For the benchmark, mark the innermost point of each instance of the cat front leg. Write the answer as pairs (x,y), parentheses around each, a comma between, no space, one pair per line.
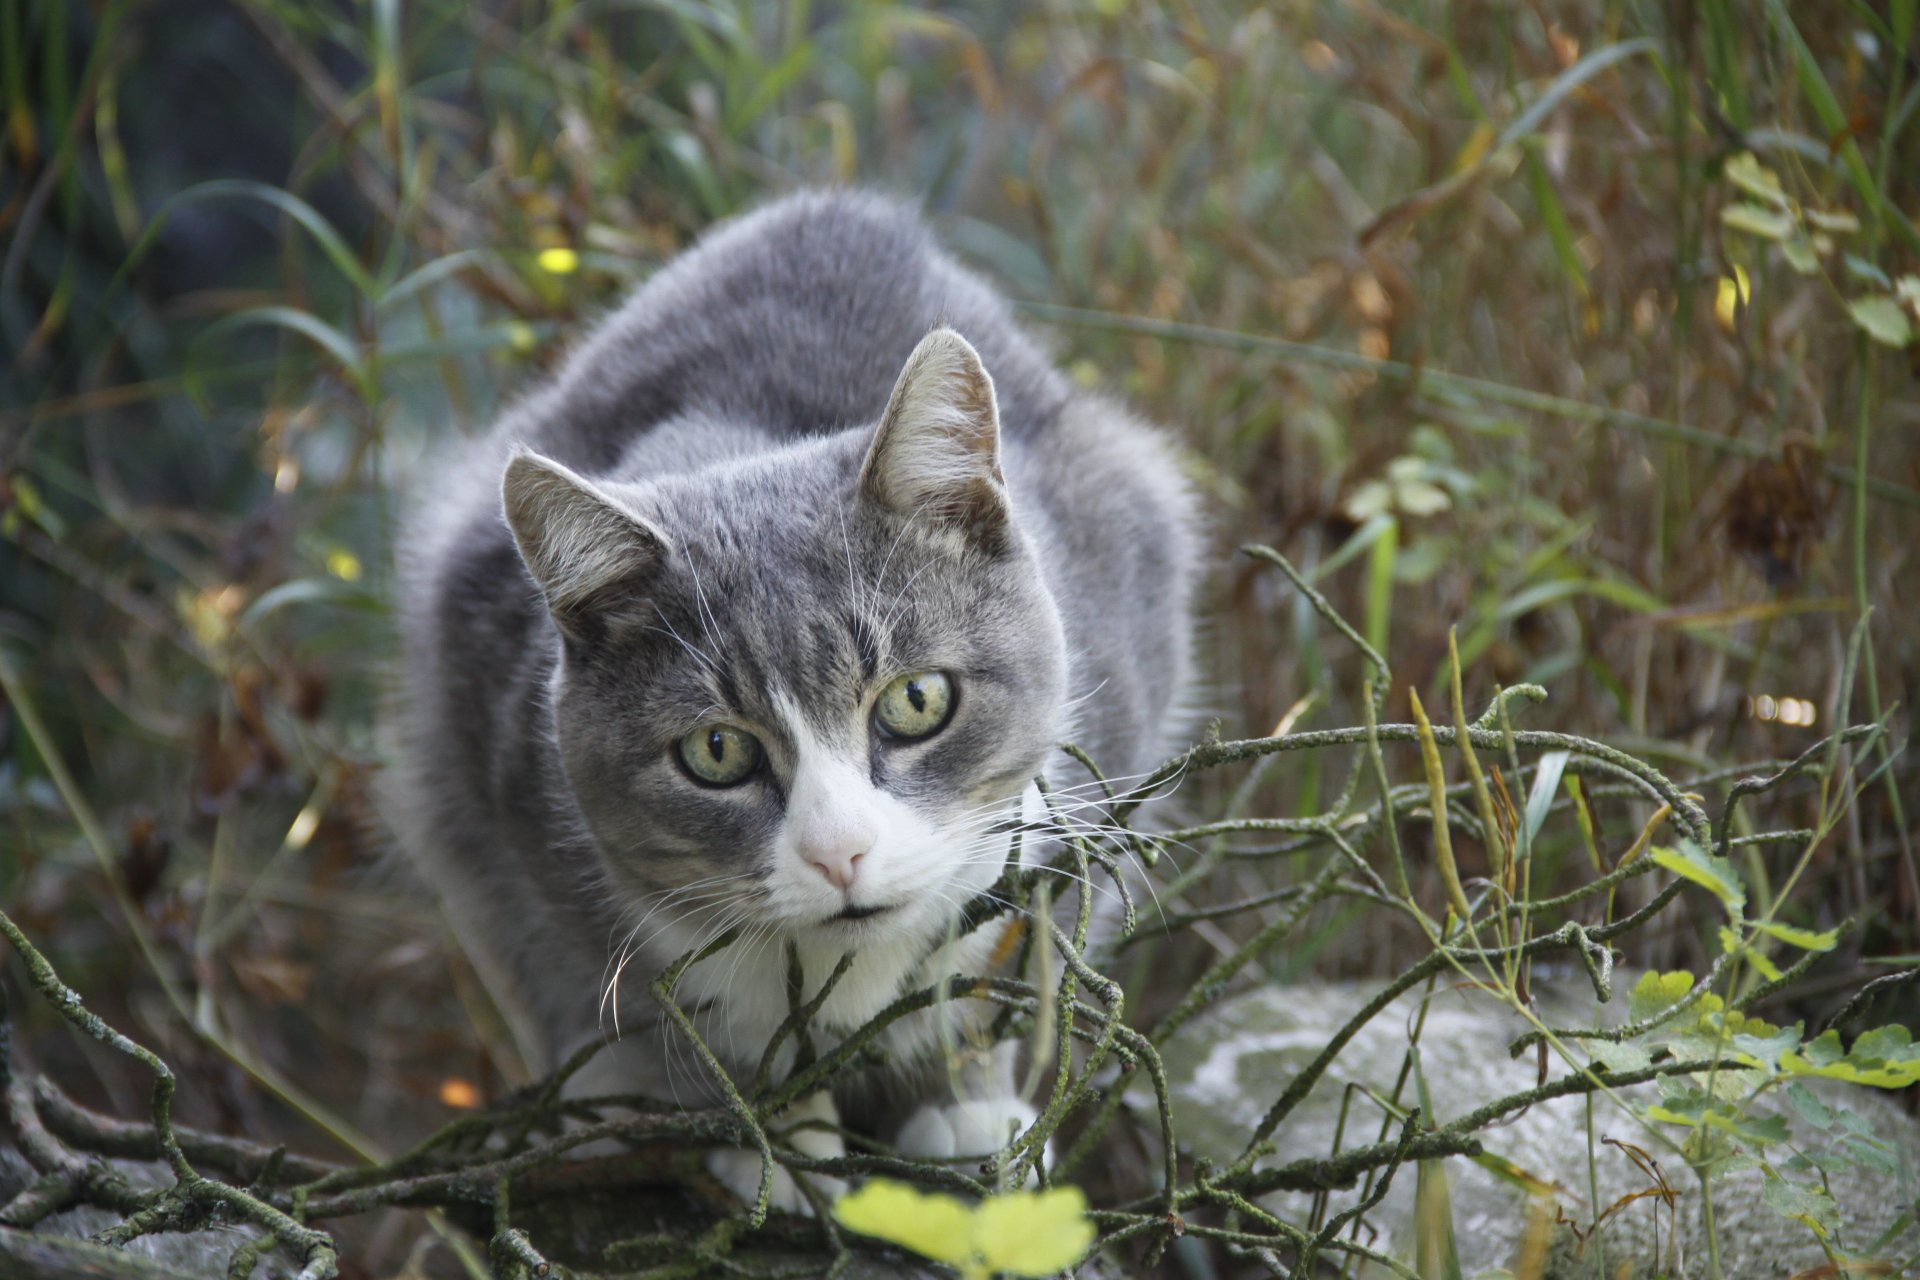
(985,1119)
(739,1171)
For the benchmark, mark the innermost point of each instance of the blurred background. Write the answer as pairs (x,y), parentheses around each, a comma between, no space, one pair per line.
(1583,330)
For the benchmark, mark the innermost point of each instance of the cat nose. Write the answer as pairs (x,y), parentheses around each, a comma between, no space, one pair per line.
(837,859)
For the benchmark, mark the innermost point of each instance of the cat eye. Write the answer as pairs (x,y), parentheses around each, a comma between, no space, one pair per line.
(915,706)
(720,755)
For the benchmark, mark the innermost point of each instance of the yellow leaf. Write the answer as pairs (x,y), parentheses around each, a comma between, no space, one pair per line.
(1479,142)
(933,1226)
(1033,1233)
(343,564)
(1734,291)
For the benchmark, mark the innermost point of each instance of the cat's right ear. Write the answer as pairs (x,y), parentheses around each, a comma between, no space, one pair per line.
(586,550)
(936,453)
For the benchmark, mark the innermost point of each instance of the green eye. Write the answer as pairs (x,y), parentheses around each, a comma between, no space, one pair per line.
(719,754)
(915,706)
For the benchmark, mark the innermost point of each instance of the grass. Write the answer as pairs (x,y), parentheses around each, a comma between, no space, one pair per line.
(1439,296)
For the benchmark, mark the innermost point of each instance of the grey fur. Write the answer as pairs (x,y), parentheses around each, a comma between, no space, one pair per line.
(715,430)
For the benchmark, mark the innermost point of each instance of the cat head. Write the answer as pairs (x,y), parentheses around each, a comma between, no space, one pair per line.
(805,689)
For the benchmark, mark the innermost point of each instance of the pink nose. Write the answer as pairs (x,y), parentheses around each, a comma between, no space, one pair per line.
(838,861)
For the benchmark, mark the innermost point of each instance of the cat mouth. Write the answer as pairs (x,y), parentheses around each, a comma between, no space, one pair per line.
(854,913)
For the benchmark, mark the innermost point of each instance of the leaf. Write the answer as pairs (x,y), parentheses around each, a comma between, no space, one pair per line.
(1733,944)
(1807,1105)
(1883,319)
(1766,1050)
(1657,992)
(306,591)
(1887,1062)
(1811,1205)
(1802,254)
(330,241)
(1619,1059)
(1891,1043)
(1758,220)
(1021,1233)
(1907,289)
(1729,295)
(1870,1154)
(1839,222)
(1758,1132)
(1546,780)
(1569,80)
(1860,269)
(1805,939)
(1715,875)
(1420,498)
(1033,1233)
(1825,1049)
(1746,172)
(933,1226)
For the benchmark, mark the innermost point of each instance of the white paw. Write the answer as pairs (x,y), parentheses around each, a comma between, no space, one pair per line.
(739,1172)
(975,1127)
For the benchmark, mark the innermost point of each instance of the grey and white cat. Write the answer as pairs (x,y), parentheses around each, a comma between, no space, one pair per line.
(764,615)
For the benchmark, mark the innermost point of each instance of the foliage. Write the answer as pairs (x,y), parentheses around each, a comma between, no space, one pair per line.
(1587,329)
(1018,1233)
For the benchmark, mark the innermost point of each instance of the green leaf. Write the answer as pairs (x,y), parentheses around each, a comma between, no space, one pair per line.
(1733,944)
(1767,1050)
(1811,1205)
(1883,318)
(1805,939)
(1892,1043)
(1907,289)
(1870,1154)
(1716,875)
(1757,1132)
(1619,1059)
(1546,781)
(1746,172)
(1800,254)
(1860,269)
(1033,1233)
(1675,1115)
(330,241)
(1758,220)
(1839,222)
(1825,1049)
(1807,1105)
(1883,1059)
(307,591)
(933,1226)
(1656,992)
(1569,80)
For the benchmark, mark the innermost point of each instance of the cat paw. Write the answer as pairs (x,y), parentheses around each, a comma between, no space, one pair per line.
(739,1172)
(975,1127)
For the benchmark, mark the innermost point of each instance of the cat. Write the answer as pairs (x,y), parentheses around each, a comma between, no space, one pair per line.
(765,614)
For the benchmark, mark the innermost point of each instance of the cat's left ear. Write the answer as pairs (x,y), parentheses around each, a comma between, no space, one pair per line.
(937,451)
(589,552)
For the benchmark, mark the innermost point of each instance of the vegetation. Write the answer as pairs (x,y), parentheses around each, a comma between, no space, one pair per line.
(1563,352)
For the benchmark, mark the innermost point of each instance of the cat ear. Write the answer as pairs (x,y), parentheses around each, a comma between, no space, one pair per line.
(581,544)
(937,452)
